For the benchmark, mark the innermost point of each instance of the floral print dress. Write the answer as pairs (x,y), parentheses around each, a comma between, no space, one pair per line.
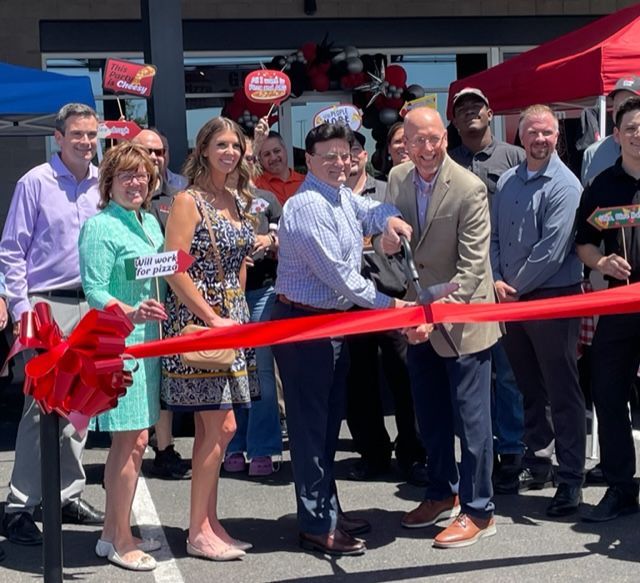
(189,389)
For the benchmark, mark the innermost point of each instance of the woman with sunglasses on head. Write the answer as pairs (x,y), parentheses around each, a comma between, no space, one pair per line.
(210,220)
(123,231)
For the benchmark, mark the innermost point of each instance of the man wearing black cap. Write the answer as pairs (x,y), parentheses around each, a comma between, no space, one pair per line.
(488,159)
(480,152)
(365,415)
(604,153)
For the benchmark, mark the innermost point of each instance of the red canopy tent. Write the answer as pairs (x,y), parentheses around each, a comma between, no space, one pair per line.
(572,71)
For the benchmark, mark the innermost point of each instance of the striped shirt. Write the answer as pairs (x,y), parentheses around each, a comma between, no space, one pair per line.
(320,252)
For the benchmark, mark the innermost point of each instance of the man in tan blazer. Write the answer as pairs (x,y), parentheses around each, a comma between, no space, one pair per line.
(447,208)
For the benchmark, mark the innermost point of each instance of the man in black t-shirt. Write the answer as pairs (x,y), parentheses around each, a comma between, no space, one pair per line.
(616,344)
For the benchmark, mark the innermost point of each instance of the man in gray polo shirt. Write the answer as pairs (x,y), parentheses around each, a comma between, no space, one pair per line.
(533,257)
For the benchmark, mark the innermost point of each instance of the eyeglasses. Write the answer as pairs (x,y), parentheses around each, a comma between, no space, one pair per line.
(129,177)
(156,151)
(251,158)
(422,141)
(333,157)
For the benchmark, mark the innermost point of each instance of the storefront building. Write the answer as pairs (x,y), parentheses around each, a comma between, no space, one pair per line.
(435,42)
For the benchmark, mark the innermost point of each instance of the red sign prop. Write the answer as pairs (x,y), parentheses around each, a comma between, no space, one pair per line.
(126,77)
(118,130)
(267,86)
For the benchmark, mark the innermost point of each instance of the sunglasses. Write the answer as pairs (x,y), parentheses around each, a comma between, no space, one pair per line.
(156,151)
(251,158)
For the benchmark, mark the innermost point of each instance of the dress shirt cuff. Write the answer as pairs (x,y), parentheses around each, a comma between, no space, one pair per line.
(382,301)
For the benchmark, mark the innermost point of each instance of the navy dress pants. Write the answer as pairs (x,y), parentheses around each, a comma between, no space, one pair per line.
(452,396)
(313,378)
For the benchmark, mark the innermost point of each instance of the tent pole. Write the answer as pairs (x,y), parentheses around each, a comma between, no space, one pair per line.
(602,115)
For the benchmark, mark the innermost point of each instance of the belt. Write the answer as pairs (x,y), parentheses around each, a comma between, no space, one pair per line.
(62,293)
(285,300)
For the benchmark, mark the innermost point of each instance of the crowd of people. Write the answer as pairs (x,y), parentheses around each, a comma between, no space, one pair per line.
(499,222)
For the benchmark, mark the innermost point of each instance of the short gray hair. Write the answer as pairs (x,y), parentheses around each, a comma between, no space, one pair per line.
(73,109)
(535,111)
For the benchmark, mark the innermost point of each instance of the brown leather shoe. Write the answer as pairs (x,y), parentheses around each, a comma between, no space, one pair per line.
(353,525)
(465,531)
(431,511)
(333,543)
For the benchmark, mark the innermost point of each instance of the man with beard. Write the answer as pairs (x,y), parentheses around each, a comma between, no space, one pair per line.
(488,159)
(533,257)
(276,177)
(365,414)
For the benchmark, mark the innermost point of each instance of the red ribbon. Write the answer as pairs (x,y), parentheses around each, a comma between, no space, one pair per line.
(82,375)
(620,300)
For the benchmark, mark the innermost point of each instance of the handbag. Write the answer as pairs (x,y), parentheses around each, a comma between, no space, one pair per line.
(213,359)
(217,358)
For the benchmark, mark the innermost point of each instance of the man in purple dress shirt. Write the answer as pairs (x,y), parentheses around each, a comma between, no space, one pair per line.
(39,258)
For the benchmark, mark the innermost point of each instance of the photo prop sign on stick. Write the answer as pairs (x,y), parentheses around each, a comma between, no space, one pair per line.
(126,77)
(118,130)
(615,217)
(343,113)
(158,265)
(267,86)
(428,100)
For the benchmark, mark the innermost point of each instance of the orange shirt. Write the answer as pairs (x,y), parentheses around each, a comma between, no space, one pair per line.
(283,189)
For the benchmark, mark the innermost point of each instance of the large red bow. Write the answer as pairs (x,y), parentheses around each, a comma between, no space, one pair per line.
(79,376)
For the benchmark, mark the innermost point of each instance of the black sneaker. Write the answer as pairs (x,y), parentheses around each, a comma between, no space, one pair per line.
(614,503)
(169,465)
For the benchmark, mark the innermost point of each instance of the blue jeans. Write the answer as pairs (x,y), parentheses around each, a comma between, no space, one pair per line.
(508,413)
(258,431)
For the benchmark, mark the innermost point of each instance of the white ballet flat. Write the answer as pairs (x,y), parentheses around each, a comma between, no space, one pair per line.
(241,544)
(144,563)
(147,545)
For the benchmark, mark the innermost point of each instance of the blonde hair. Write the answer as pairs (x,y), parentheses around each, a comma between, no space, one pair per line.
(196,168)
(120,158)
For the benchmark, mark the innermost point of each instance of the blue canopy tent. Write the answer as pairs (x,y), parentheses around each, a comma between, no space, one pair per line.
(30,99)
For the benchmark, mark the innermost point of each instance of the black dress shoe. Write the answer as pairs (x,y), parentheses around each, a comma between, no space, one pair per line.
(614,503)
(565,501)
(19,528)
(81,512)
(529,479)
(506,477)
(352,525)
(595,476)
(169,465)
(363,470)
(336,543)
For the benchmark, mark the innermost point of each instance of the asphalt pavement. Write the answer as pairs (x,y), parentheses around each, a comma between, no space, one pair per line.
(528,546)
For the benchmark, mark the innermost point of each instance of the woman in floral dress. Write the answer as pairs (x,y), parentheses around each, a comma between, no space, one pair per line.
(210,296)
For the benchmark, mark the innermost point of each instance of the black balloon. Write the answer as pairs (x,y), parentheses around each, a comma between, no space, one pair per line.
(388,116)
(416,91)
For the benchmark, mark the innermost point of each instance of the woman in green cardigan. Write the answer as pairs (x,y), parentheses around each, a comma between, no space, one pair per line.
(125,230)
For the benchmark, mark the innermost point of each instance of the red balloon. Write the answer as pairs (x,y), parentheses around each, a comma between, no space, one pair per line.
(320,82)
(310,50)
(395,75)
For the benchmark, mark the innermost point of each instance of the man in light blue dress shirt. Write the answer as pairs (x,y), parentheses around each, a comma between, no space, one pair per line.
(533,257)
(321,238)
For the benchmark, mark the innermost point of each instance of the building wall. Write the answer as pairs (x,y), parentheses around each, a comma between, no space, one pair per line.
(19,38)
